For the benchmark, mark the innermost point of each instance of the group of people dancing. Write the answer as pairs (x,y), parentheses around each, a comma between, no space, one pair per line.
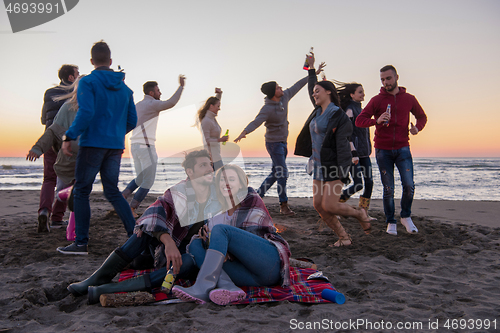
(206,224)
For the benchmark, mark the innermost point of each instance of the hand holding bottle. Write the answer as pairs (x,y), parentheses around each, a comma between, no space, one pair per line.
(225,138)
(413,129)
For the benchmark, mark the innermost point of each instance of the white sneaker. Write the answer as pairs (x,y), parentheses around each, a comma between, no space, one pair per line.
(408,223)
(392,229)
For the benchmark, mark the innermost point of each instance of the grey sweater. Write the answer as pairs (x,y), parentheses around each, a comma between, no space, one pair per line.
(274,115)
(52,139)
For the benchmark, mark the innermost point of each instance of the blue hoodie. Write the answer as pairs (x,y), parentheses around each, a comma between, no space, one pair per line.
(106,110)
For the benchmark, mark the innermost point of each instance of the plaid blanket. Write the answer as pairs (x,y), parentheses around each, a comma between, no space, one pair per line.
(299,290)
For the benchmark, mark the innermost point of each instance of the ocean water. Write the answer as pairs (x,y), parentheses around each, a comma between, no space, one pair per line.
(435,178)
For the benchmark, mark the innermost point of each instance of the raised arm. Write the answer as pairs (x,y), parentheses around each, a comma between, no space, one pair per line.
(261,117)
(293,90)
(172,101)
(218,93)
(312,76)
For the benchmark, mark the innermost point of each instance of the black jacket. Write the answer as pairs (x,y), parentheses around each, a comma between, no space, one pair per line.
(335,151)
(51,107)
(360,136)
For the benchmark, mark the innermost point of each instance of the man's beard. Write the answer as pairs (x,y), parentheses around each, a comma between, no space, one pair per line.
(390,87)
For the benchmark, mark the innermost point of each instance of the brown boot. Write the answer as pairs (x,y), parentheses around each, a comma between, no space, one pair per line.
(365,204)
(338,229)
(285,210)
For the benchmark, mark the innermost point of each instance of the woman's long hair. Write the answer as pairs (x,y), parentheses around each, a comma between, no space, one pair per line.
(243,182)
(345,90)
(329,86)
(71,95)
(203,110)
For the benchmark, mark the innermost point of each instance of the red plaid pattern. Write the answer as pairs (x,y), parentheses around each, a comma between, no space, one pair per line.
(299,290)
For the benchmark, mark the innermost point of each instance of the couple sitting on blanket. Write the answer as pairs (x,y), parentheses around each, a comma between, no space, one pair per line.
(228,231)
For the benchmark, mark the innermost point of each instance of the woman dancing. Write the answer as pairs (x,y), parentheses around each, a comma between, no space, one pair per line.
(211,129)
(325,139)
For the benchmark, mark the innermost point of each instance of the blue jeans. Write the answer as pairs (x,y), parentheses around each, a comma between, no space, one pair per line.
(386,159)
(362,170)
(138,196)
(89,162)
(278,152)
(134,246)
(256,261)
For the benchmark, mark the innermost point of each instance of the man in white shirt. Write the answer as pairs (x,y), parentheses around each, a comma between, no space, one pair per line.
(142,141)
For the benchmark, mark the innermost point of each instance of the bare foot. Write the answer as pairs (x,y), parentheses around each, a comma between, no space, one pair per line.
(343,242)
(364,220)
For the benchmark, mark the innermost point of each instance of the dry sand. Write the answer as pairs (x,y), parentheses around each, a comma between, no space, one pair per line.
(450,270)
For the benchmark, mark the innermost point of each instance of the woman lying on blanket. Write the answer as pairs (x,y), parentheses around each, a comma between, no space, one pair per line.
(243,246)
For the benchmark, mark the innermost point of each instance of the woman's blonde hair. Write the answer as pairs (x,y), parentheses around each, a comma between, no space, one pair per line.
(71,95)
(242,177)
(203,110)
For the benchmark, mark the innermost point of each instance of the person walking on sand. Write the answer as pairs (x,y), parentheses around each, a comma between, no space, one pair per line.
(64,166)
(274,115)
(325,140)
(48,208)
(390,112)
(106,113)
(142,141)
(210,128)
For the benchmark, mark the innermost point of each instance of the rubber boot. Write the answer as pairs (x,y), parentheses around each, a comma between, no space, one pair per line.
(70,229)
(226,291)
(365,204)
(205,281)
(114,264)
(285,209)
(139,283)
(63,195)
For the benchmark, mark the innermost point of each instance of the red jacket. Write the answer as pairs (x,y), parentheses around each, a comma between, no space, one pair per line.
(394,136)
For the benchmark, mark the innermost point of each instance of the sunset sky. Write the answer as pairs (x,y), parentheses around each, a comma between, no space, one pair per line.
(446,54)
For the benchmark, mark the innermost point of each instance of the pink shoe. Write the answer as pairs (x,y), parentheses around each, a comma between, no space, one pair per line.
(224,297)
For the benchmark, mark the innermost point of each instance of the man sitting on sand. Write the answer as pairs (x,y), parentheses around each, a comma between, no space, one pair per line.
(172,220)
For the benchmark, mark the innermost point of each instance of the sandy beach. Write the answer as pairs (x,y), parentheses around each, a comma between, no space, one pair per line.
(449,271)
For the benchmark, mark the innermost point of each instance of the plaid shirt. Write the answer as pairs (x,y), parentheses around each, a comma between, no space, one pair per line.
(161,217)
